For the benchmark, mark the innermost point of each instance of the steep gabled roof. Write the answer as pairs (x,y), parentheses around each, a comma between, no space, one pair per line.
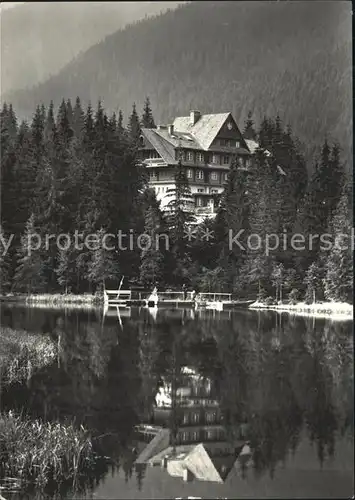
(205,129)
(163,147)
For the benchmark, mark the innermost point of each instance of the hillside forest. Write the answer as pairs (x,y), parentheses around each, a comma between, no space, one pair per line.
(77,169)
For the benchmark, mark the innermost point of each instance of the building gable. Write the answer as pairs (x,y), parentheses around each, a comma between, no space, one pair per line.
(229,132)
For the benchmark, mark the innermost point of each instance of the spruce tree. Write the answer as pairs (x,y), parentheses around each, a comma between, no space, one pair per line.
(147,116)
(78,120)
(4,265)
(338,280)
(134,126)
(152,258)
(313,282)
(30,265)
(179,216)
(102,265)
(249,131)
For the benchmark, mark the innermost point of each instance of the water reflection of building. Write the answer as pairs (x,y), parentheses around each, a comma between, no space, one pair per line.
(186,435)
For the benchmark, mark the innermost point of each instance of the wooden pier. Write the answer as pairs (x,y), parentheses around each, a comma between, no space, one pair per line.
(215,301)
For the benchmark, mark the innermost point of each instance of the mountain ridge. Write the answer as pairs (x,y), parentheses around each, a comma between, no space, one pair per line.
(291,58)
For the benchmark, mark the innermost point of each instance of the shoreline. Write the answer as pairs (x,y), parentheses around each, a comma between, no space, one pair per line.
(54,299)
(331,310)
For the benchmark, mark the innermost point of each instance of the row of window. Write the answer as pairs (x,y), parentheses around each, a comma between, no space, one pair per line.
(195,418)
(229,143)
(215,158)
(209,434)
(214,176)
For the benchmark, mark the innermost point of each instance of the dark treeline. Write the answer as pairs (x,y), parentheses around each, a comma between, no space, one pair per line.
(77,170)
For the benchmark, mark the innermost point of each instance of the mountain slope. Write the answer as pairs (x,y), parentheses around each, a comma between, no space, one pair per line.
(39,38)
(289,57)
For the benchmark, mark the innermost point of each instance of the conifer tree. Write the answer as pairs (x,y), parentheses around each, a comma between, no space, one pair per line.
(313,282)
(147,116)
(120,128)
(4,265)
(78,120)
(178,218)
(249,131)
(134,126)
(102,265)
(50,128)
(231,218)
(152,258)
(30,265)
(338,280)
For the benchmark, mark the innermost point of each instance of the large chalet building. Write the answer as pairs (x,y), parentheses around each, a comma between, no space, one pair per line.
(206,145)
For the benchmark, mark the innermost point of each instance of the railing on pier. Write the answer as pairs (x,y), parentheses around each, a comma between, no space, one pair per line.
(215,297)
(117,295)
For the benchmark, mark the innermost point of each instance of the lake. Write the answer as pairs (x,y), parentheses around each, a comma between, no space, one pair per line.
(257,404)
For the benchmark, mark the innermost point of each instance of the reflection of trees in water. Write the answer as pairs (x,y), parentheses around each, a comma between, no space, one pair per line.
(276,376)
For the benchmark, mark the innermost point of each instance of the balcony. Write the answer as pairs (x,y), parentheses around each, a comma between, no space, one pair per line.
(154,162)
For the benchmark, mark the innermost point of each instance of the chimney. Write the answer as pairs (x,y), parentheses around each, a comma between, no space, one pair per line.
(171,129)
(194,116)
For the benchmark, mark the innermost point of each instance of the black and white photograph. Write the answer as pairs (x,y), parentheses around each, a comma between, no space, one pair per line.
(176,250)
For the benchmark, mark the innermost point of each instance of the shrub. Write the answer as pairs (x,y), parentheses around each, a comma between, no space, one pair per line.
(293,296)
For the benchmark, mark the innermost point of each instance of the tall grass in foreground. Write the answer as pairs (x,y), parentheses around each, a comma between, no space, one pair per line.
(42,454)
(22,352)
(68,298)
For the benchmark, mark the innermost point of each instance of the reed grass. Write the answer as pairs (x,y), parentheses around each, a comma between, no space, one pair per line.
(22,352)
(57,298)
(39,454)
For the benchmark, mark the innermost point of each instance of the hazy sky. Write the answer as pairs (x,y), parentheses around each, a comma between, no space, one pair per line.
(8,5)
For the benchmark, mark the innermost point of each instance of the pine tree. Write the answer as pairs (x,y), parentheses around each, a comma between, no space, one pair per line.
(102,265)
(152,258)
(277,277)
(231,218)
(120,127)
(30,265)
(249,131)
(78,120)
(50,129)
(313,282)
(147,116)
(4,265)
(338,281)
(179,216)
(134,126)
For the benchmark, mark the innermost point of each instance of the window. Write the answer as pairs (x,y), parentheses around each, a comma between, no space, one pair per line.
(186,418)
(237,144)
(195,418)
(214,191)
(225,176)
(199,174)
(248,163)
(214,176)
(215,158)
(189,156)
(211,417)
(189,173)
(200,190)
(153,176)
(199,202)
(194,436)
(225,160)
(223,142)
(199,157)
